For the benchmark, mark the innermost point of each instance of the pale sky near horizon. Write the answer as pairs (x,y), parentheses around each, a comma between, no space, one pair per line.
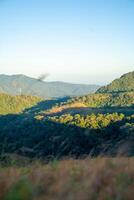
(81,41)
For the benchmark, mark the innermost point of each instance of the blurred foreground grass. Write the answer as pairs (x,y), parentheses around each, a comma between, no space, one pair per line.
(86,179)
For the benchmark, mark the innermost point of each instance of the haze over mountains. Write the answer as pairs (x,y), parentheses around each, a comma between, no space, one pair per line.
(21,84)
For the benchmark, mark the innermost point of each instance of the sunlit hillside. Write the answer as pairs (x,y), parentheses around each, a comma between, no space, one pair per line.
(122,84)
(16,104)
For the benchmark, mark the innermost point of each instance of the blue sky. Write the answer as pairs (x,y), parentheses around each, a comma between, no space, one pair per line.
(85,41)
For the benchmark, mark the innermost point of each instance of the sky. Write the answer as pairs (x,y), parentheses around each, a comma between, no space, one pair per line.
(78,41)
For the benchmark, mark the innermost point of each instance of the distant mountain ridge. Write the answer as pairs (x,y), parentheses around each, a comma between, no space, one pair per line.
(123,84)
(21,84)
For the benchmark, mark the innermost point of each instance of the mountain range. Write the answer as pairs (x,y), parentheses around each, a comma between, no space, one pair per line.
(93,124)
(21,84)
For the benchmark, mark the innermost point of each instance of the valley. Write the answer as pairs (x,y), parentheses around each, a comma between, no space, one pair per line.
(66,99)
(86,139)
(94,124)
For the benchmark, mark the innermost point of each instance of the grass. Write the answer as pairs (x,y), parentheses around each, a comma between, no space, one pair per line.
(70,179)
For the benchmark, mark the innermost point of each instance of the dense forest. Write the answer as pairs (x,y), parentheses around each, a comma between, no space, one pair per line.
(94,124)
(60,135)
(47,137)
(16,104)
(104,100)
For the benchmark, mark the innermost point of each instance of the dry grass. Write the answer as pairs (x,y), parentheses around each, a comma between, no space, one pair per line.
(87,179)
(58,109)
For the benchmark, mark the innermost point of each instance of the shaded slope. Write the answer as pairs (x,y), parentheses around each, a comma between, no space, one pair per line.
(30,134)
(25,135)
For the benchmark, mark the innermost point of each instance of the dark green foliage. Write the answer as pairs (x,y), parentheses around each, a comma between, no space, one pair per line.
(71,135)
(33,133)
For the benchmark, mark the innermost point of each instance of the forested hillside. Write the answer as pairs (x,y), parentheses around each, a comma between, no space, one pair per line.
(103,100)
(95,124)
(42,141)
(119,92)
(124,84)
(49,137)
(16,104)
(98,100)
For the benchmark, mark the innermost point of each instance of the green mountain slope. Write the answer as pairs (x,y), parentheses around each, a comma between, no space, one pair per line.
(21,84)
(31,132)
(124,84)
(104,100)
(102,124)
(67,135)
(16,104)
(119,93)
